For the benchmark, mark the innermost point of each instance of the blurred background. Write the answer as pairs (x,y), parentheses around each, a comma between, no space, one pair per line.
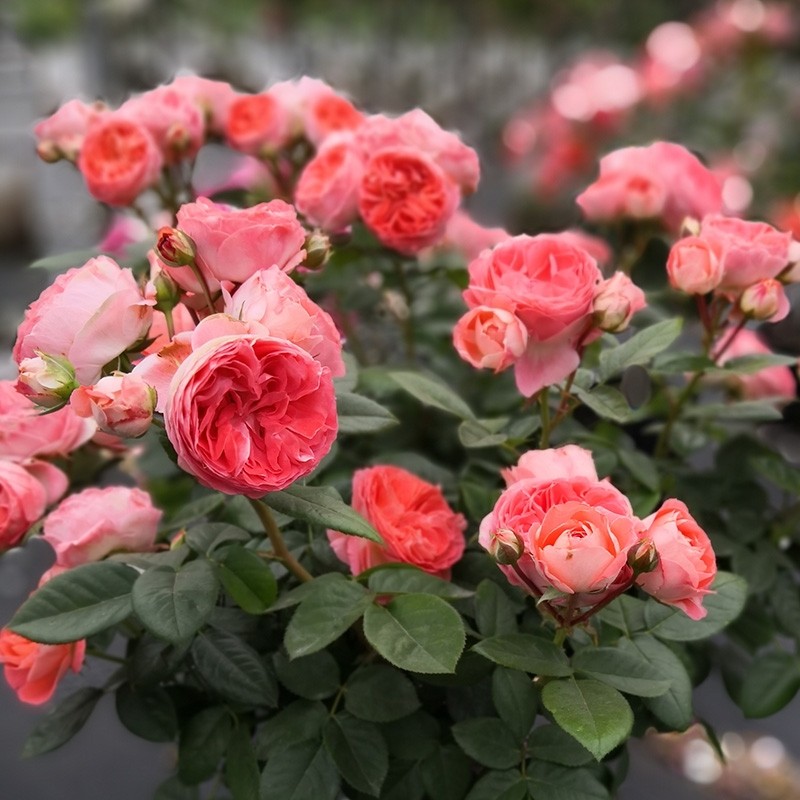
(541,89)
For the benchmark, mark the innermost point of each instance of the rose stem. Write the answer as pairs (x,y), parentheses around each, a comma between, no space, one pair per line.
(278,544)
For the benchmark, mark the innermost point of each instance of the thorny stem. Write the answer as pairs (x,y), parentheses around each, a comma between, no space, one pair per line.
(278,544)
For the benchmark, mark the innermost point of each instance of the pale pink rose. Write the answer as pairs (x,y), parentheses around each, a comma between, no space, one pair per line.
(327,190)
(693,267)
(27,433)
(213,98)
(414,520)
(250,415)
(468,237)
(748,251)
(33,670)
(158,368)
(119,159)
(61,135)
(686,565)
(777,382)
(120,404)
(569,461)
(26,489)
(234,243)
(282,309)
(91,524)
(490,338)
(258,124)
(616,300)
(549,284)
(765,300)
(90,315)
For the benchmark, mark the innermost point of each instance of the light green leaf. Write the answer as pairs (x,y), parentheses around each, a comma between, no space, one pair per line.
(606,401)
(407,579)
(625,670)
(743,411)
(477,433)
(248,580)
(359,414)
(208,536)
(640,348)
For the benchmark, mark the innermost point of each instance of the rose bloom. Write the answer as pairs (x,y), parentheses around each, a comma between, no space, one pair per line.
(212,97)
(748,251)
(250,415)
(119,159)
(258,123)
(593,245)
(686,565)
(234,243)
(61,135)
(468,237)
(120,404)
(693,267)
(616,301)
(325,112)
(327,190)
(569,461)
(91,524)
(33,670)
(89,315)
(490,338)
(406,199)
(765,300)
(550,285)
(414,520)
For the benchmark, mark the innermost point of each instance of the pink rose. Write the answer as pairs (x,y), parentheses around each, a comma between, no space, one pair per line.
(90,315)
(765,300)
(158,368)
(33,670)
(61,135)
(91,524)
(693,267)
(550,285)
(119,159)
(212,97)
(468,237)
(748,251)
(327,191)
(686,566)
(234,243)
(417,525)
(593,245)
(616,300)
(250,415)
(569,461)
(258,124)
(325,111)
(120,404)
(490,338)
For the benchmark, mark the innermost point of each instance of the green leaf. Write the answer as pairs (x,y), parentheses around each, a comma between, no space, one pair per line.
(525,652)
(598,716)
(606,401)
(208,536)
(407,579)
(76,604)
(203,742)
(743,411)
(379,693)
(232,668)
(515,699)
(63,261)
(432,392)
(779,471)
(147,713)
(416,632)
(359,752)
(495,614)
(495,785)
(625,670)
(175,605)
(197,509)
(680,363)
(554,782)
(300,721)
(301,772)
(554,744)
(477,433)
(641,468)
(626,614)
(446,774)
(62,722)
(348,381)
(755,362)
(314,677)
(770,683)
(321,505)
(487,740)
(173,789)
(640,348)
(248,580)
(723,607)
(324,615)
(359,414)
(241,768)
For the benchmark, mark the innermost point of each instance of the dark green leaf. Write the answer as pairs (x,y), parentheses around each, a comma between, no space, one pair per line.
(474,433)
(406,579)
(359,752)
(515,699)
(432,392)
(206,538)
(314,677)
(640,348)
(202,744)
(241,768)
(553,782)
(379,693)
(413,737)
(525,652)
(742,411)
(173,789)
(300,721)
(195,510)
(487,740)
(403,782)
(770,683)
(148,713)
(551,743)
(626,614)
(755,362)
(495,785)
(303,771)
(680,363)
(248,580)
(446,774)
(495,614)
(606,401)
(359,414)
(626,670)
(641,467)
(62,722)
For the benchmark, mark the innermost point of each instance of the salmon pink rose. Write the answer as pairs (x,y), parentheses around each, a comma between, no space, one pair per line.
(693,266)
(490,338)
(765,300)
(616,301)
(569,461)
(61,135)
(686,564)
(89,525)
(325,112)
(90,315)
(212,97)
(414,520)
(258,124)
(250,415)
(120,404)
(468,237)
(33,670)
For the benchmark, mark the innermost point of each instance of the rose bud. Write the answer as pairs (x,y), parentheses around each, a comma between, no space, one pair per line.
(120,404)
(175,248)
(505,546)
(490,338)
(168,294)
(643,557)
(616,301)
(47,380)
(765,300)
(693,267)
(318,250)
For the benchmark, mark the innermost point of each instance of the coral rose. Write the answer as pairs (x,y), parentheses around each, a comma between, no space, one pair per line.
(417,525)
(490,338)
(120,404)
(61,135)
(89,525)
(250,415)
(693,267)
(258,124)
(686,565)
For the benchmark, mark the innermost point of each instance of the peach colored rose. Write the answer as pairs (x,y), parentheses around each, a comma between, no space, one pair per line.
(569,461)
(258,124)
(490,338)
(33,670)
(765,300)
(89,315)
(158,368)
(119,159)
(89,525)
(120,404)
(61,135)
(693,267)
(686,565)
(250,415)
(616,300)
(417,525)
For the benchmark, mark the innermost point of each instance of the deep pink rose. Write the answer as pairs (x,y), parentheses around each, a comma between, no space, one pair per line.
(693,266)
(89,525)
(120,404)
(616,300)
(490,338)
(417,525)
(61,135)
(89,315)
(686,565)
(250,415)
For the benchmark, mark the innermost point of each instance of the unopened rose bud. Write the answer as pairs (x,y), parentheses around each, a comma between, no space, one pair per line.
(615,302)
(175,248)
(119,404)
(47,380)
(178,138)
(49,152)
(318,250)
(764,300)
(643,557)
(693,267)
(168,294)
(506,547)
